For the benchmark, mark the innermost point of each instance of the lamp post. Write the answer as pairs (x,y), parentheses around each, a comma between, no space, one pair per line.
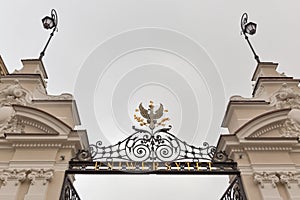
(49,22)
(249,28)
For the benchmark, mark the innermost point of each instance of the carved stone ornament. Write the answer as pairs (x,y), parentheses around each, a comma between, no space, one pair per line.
(291,127)
(289,177)
(15,175)
(41,174)
(266,178)
(285,97)
(14,94)
(7,114)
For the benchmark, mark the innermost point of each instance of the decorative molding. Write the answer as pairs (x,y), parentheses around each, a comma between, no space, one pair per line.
(15,94)
(42,174)
(289,177)
(290,129)
(267,128)
(37,145)
(237,150)
(36,124)
(266,178)
(285,97)
(14,126)
(20,175)
(268,148)
(17,124)
(14,174)
(68,146)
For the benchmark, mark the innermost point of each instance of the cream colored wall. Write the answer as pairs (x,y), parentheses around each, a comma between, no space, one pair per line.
(37,136)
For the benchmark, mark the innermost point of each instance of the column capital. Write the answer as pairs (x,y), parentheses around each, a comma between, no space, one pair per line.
(41,174)
(13,175)
(266,178)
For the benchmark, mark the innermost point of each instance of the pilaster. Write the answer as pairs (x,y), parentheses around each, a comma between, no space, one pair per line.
(11,183)
(39,180)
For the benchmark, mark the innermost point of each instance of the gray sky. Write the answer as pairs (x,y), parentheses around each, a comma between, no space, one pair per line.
(109,52)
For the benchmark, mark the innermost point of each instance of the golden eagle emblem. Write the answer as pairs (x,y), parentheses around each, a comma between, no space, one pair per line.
(151,116)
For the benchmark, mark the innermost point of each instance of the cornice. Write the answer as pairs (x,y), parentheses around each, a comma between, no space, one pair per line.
(27,77)
(39,61)
(261,80)
(241,102)
(269,64)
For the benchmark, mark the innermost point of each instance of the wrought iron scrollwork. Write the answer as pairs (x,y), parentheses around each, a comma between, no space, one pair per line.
(235,190)
(68,191)
(82,155)
(158,146)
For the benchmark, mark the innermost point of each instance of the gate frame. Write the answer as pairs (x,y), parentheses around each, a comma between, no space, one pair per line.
(153,152)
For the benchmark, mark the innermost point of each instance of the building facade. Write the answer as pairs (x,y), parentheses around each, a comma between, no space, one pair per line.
(264,135)
(38,136)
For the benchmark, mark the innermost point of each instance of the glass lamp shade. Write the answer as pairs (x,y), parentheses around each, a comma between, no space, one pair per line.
(48,22)
(250,28)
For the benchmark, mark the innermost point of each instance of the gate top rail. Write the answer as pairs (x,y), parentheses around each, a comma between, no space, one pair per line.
(185,168)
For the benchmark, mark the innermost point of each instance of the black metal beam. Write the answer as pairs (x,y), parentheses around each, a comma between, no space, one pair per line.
(161,168)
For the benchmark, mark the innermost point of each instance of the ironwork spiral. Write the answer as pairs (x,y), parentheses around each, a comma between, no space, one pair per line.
(244,20)
(235,191)
(160,146)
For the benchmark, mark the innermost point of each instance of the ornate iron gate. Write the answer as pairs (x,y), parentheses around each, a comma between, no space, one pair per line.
(153,151)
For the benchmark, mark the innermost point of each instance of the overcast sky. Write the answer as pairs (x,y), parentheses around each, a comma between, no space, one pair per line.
(188,55)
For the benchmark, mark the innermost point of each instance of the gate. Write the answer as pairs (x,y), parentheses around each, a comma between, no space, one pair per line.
(153,151)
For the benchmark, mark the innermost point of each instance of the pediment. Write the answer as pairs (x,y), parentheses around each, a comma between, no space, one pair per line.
(272,124)
(273,130)
(27,120)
